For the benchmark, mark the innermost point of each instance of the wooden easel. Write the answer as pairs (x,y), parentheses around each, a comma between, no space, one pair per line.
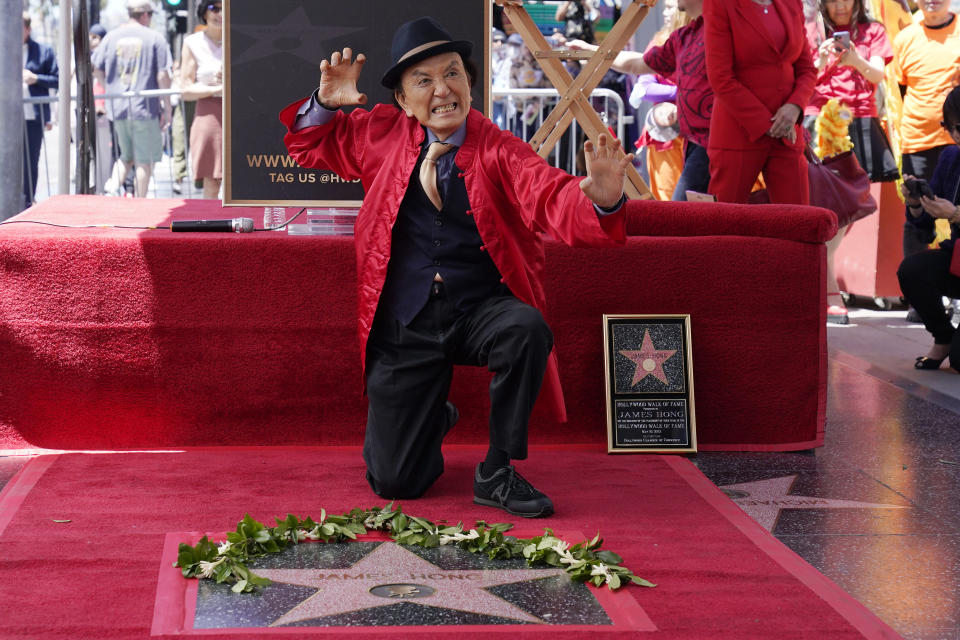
(575,92)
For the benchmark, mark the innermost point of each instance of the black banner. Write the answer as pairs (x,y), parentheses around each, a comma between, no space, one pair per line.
(272,55)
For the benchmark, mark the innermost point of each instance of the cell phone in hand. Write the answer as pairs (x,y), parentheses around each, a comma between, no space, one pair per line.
(917,187)
(843,38)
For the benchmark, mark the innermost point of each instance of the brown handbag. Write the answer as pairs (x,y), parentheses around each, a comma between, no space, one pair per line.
(837,183)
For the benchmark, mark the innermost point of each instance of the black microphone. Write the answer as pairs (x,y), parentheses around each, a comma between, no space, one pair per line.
(239,225)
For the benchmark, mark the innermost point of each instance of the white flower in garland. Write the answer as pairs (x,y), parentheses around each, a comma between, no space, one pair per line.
(601,569)
(314,534)
(566,557)
(224,547)
(459,537)
(207,568)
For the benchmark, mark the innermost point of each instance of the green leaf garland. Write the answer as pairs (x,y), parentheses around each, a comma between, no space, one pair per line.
(227,562)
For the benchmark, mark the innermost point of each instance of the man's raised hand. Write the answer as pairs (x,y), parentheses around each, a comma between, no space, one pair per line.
(338,80)
(606,171)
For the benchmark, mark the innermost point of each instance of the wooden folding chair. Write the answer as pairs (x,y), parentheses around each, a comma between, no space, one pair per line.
(575,92)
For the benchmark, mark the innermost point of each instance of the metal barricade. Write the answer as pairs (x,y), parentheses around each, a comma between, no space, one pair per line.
(522,111)
(170,177)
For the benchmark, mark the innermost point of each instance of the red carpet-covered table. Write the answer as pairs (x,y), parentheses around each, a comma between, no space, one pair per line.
(116,338)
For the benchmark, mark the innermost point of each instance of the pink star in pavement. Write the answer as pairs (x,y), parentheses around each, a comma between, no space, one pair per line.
(346,590)
(649,360)
(765,498)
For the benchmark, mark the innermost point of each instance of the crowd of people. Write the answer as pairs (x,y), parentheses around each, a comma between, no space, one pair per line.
(132,133)
(739,86)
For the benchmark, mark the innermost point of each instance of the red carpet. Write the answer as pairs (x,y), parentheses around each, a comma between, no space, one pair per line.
(719,574)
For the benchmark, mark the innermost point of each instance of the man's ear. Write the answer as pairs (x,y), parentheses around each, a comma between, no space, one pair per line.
(402,101)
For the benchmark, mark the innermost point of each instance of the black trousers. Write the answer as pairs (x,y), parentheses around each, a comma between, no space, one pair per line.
(696,172)
(32,142)
(409,370)
(924,279)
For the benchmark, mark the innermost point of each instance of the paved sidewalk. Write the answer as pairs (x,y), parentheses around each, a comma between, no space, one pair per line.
(161,184)
(885,345)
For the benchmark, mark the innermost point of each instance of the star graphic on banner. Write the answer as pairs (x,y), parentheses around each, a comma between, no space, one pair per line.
(295,35)
(649,360)
(391,574)
(763,500)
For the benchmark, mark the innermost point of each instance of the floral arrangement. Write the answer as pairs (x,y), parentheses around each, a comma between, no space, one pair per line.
(833,125)
(227,561)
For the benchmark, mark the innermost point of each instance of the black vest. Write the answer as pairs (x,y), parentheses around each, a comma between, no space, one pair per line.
(426,241)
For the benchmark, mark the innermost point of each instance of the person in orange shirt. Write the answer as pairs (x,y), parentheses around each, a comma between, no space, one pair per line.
(926,58)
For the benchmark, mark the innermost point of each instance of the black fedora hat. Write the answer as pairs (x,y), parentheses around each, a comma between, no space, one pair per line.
(418,40)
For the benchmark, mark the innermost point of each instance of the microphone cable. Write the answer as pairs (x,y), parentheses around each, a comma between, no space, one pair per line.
(78,226)
(120,226)
(285,223)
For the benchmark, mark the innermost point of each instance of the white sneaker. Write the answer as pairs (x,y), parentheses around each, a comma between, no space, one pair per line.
(111,188)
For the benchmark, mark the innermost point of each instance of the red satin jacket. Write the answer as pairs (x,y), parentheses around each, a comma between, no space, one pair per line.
(750,77)
(514,197)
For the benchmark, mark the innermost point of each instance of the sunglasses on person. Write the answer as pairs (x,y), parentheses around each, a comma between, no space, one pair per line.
(216,8)
(950,127)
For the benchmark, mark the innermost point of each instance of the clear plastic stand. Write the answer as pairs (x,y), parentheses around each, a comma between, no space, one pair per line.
(333,221)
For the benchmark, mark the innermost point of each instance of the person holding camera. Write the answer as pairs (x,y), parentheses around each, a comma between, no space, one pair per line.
(850,60)
(927,276)
(850,53)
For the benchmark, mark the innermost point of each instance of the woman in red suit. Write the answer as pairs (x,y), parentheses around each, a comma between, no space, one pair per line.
(762,76)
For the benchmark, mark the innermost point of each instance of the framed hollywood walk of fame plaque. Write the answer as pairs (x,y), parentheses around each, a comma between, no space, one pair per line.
(649,383)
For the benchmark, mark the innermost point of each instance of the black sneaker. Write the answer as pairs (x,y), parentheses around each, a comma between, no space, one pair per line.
(508,490)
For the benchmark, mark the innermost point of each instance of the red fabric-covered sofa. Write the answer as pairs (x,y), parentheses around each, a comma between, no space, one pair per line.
(123,338)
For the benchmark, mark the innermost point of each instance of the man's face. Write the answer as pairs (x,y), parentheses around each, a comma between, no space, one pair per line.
(94,41)
(934,9)
(26,32)
(436,92)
